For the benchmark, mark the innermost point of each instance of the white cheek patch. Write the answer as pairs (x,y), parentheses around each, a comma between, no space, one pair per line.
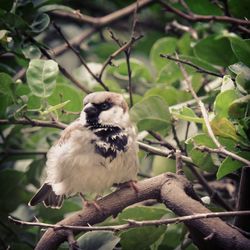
(114,115)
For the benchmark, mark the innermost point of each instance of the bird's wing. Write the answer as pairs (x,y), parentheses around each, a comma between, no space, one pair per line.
(67,132)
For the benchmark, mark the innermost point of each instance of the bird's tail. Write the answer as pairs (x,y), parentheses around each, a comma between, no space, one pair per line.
(46,195)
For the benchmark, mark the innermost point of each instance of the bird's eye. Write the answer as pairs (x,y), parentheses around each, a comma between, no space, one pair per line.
(105,105)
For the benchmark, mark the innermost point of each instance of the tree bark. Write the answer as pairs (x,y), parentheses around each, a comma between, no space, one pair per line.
(176,193)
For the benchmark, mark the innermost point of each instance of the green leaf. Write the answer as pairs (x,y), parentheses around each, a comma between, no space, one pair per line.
(215,50)
(239,67)
(202,159)
(172,237)
(141,238)
(162,165)
(241,49)
(98,240)
(13,183)
(166,45)
(54,108)
(204,7)
(31,51)
(40,23)
(63,93)
(187,114)
(151,113)
(41,77)
(230,165)
(241,10)
(243,75)
(168,94)
(10,21)
(227,83)
(169,74)
(224,128)
(139,71)
(238,108)
(51,7)
(223,101)
(34,171)
(4,103)
(142,213)
(184,44)
(199,62)
(7,85)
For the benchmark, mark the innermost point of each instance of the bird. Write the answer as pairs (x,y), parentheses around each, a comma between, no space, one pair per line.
(95,152)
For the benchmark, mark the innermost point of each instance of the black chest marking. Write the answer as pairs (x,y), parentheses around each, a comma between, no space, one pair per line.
(111,140)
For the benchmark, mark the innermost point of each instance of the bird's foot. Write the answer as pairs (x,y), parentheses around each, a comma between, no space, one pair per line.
(131,184)
(95,204)
(87,203)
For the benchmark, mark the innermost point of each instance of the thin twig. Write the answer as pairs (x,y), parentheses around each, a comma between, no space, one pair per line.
(176,137)
(63,70)
(184,28)
(161,152)
(98,79)
(34,123)
(198,68)
(179,164)
(133,223)
(116,53)
(163,142)
(102,22)
(128,53)
(99,22)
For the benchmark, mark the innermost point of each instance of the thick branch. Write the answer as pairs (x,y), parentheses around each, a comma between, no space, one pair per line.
(176,193)
(243,201)
(111,205)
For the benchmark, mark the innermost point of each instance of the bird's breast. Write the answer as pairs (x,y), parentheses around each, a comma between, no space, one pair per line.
(109,141)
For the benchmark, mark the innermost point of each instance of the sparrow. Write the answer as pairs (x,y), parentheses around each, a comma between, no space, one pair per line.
(95,152)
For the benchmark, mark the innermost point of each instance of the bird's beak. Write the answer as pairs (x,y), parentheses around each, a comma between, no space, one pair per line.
(90,110)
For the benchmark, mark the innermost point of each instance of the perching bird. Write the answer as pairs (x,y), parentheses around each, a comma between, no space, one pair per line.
(93,153)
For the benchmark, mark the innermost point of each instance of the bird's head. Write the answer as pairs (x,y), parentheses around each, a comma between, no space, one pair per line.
(106,109)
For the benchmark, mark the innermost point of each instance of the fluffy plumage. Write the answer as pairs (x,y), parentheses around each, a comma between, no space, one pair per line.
(94,152)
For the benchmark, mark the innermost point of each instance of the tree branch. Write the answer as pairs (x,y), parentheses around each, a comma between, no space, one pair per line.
(204,18)
(175,191)
(99,22)
(186,62)
(98,79)
(34,123)
(133,223)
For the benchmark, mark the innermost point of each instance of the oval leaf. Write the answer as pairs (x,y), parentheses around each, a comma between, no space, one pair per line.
(166,45)
(40,23)
(151,113)
(215,50)
(241,49)
(99,240)
(41,77)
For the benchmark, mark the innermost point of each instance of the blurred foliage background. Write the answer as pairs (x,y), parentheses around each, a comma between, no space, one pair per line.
(34,87)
